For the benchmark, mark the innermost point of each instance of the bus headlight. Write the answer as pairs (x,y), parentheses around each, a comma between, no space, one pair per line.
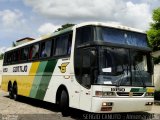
(104,93)
(149,94)
(107,104)
(149,103)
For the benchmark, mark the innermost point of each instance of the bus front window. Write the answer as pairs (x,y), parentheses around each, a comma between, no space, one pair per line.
(114,66)
(140,70)
(120,66)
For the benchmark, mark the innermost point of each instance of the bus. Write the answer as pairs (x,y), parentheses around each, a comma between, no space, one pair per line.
(92,66)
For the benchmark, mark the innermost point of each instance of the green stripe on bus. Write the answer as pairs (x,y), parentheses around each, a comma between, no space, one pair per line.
(138,90)
(142,90)
(46,79)
(37,79)
(134,90)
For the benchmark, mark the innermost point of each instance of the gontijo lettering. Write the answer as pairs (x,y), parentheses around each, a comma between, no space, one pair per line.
(20,68)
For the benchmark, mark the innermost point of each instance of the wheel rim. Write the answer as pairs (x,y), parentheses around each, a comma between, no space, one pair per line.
(15,96)
(10,92)
(15,92)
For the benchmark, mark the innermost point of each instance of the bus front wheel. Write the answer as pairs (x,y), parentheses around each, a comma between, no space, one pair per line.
(64,103)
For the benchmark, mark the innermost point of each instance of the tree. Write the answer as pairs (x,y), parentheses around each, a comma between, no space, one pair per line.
(1,56)
(13,44)
(154,31)
(65,26)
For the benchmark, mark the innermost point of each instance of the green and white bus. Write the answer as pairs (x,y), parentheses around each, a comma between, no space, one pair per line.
(92,66)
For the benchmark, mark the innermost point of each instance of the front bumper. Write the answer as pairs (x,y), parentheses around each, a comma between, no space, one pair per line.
(121,104)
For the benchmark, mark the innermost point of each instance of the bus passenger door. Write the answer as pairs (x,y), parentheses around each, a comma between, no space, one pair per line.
(86,76)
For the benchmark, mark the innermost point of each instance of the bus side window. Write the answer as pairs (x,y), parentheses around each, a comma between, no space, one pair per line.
(5,59)
(83,35)
(69,44)
(86,65)
(9,56)
(83,66)
(15,56)
(46,49)
(63,45)
(34,51)
(24,54)
(58,46)
(78,64)
(19,55)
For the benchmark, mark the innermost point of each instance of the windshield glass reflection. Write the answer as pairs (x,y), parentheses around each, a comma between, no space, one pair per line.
(118,67)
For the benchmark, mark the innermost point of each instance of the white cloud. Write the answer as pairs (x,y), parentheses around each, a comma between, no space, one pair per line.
(47,28)
(125,12)
(12,18)
(2,49)
(9,0)
(135,15)
(74,9)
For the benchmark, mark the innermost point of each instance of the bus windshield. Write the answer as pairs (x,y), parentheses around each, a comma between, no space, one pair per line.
(118,67)
(122,37)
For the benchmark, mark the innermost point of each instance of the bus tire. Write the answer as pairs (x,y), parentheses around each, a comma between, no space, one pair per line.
(64,103)
(10,90)
(15,95)
(157,95)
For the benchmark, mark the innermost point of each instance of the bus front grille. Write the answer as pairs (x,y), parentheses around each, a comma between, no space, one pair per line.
(129,94)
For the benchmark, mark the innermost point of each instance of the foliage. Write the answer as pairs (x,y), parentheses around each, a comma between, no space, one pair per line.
(156,60)
(65,26)
(13,44)
(154,31)
(1,56)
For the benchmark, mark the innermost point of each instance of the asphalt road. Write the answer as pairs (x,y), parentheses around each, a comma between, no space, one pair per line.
(30,109)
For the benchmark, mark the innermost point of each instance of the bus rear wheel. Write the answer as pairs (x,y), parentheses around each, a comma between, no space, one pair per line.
(10,90)
(64,103)
(15,95)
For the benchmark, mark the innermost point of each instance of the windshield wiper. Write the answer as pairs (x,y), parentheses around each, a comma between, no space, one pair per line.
(120,80)
(122,76)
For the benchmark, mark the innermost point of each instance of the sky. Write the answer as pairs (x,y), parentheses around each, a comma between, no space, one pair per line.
(33,18)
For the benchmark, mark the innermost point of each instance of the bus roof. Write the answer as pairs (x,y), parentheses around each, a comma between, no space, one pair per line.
(112,25)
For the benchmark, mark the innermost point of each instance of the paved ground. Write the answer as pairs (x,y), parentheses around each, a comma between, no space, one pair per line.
(26,108)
